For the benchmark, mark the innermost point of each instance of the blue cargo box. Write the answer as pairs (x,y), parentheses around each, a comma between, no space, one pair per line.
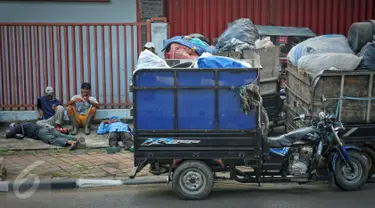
(191,100)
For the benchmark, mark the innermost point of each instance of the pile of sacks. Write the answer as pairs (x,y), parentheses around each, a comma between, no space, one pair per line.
(148,60)
(242,34)
(322,53)
(334,52)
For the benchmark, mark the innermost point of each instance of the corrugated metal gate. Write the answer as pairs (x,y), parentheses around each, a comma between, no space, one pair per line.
(63,55)
(210,17)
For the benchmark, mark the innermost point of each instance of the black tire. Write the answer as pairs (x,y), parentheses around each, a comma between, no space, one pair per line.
(361,173)
(360,33)
(370,153)
(193,174)
(265,122)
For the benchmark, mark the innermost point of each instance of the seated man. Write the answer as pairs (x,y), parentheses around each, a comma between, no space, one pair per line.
(82,109)
(118,131)
(150,46)
(51,111)
(47,135)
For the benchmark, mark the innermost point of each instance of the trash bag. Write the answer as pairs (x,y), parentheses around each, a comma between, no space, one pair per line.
(216,62)
(197,45)
(264,43)
(320,44)
(200,36)
(359,34)
(235,44)
(324,61)
(148,60)
(368,57)
(242,30)
(178,51)
(199,42)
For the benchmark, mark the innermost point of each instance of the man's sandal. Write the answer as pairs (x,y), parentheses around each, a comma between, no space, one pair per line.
(74,145)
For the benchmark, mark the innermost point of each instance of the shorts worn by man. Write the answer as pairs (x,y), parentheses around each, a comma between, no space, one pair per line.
(118,131)
(51,111)
(82,109)
(47,135)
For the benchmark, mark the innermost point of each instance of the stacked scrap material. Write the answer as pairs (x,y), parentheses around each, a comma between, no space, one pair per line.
(336,52)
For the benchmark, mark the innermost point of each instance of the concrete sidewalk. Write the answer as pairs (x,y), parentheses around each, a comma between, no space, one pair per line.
(60,164)
(93,141)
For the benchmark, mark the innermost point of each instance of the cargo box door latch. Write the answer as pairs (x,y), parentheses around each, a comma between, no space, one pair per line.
(195,154)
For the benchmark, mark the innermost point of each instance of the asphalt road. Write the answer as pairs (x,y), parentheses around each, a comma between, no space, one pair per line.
(224,195)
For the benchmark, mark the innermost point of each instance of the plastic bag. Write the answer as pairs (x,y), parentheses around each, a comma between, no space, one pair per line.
(243,30)
(319,62)
(320,44)
(197,41)
(200,36)
(368,57)
(205,54)
(220,62)
(264,43)
(235,44)
(148,60)
(192,43)
(178,51)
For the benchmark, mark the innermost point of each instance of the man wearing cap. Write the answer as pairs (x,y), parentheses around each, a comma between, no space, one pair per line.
(150,46)
(50,111)
(82,109)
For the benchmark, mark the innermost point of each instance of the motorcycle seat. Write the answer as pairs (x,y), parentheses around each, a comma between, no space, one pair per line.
(290,139)
(279,141)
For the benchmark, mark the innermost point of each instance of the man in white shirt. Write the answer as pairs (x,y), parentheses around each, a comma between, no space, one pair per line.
(150,46)
(82,109)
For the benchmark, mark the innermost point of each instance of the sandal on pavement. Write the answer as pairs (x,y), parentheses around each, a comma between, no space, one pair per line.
(74,145)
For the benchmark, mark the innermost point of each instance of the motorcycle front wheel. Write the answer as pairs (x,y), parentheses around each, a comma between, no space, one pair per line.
(348,180)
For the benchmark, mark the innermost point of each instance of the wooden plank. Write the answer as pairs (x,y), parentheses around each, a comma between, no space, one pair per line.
(370,86)
(341,94)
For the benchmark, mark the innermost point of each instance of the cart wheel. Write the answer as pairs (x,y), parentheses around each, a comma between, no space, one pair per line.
(193,180)
(370,153)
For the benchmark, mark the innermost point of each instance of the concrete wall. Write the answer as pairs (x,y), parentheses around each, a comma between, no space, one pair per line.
(151,8)
(48,11)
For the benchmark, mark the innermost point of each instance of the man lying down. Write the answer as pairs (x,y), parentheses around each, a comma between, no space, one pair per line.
(45,134)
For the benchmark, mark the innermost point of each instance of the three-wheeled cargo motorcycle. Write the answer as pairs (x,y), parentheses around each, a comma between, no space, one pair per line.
(193,123)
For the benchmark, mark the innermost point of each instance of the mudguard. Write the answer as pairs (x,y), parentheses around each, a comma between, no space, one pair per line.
(336,155)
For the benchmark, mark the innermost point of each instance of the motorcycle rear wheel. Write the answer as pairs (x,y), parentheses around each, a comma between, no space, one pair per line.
(347,180)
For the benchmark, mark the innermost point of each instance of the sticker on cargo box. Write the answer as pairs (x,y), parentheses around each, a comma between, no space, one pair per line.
(166,141)
(282,40)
